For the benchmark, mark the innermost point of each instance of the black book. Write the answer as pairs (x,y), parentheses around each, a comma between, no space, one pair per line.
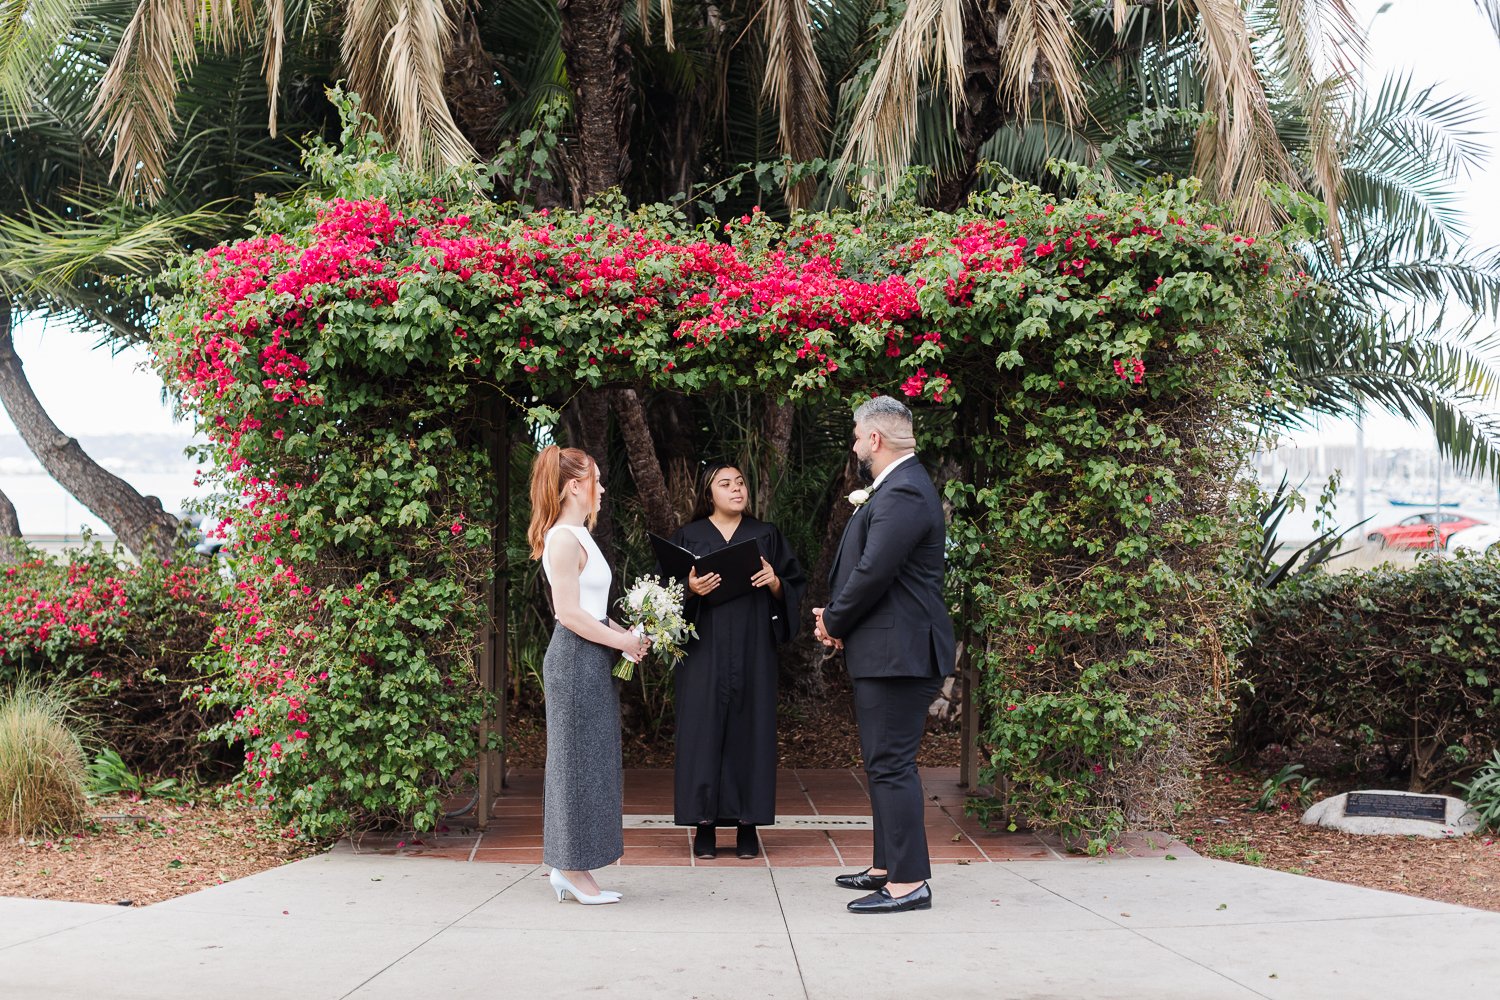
(735,564)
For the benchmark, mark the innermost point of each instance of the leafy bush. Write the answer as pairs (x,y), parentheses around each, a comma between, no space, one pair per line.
(110,775)
(42,774)
(1483,794)
(1288,788)
(1392,659)
(128,634)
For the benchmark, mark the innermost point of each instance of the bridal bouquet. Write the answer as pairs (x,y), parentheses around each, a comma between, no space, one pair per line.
(654,609)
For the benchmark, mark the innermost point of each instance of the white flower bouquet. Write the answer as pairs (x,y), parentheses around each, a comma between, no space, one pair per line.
(654,609)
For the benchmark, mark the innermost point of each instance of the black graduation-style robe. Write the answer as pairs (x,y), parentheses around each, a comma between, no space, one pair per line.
(726,686)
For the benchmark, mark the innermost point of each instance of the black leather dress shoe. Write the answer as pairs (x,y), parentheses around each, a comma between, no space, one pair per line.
(919,898)
(863,881)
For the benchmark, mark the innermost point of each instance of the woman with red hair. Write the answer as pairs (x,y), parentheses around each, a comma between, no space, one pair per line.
(582,798)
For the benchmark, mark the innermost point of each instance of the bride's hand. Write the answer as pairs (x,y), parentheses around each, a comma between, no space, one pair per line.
(636,646)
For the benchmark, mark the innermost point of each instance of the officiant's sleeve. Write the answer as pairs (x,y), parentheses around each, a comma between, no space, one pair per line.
(787,610)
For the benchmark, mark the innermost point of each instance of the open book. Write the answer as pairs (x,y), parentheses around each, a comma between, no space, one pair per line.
(735,564)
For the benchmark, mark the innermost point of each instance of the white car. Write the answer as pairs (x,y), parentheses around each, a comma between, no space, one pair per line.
(1477,540)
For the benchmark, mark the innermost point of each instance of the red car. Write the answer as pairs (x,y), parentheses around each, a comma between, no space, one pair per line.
(1421,531)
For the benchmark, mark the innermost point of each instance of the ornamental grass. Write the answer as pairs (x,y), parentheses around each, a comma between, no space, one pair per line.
(43,776)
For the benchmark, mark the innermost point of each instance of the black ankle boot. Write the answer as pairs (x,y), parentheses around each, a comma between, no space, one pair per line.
(704,842)
(746,844)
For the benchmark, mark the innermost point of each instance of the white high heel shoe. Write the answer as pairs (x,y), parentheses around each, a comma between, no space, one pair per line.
(561,885)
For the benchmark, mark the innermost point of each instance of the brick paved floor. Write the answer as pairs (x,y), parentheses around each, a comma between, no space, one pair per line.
(514,834)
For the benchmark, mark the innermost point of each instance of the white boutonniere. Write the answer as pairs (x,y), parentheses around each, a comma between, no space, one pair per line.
(859,497)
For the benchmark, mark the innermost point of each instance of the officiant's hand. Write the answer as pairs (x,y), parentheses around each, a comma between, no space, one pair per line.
(702,585)
(767,578)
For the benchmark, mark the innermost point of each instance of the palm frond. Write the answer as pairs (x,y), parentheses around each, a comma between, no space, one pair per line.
(1491,10)
(394,51)
(275,46)
(43,250)
(884,125)
(29,34)
(1239,153)
(794,84)
(1039,47)
(139,90)
(1416,368)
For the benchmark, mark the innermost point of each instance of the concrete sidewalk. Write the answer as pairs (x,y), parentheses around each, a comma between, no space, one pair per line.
(368,927)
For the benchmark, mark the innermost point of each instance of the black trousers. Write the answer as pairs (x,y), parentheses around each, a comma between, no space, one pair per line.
(892,714)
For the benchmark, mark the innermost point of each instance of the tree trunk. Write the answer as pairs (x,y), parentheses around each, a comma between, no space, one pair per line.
(980,115)
(10,531)
(139,522)
(645,465)
(10,525)
(776,431)
(598,66)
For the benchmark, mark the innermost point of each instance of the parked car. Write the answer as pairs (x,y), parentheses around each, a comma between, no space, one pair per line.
(1478,540)
(1421,531)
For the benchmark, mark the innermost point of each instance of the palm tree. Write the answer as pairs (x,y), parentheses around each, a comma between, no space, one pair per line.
(64,234)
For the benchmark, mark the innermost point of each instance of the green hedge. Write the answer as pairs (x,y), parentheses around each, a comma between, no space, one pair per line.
(1397,660)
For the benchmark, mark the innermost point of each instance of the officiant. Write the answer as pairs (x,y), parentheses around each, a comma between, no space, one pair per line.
(726,684)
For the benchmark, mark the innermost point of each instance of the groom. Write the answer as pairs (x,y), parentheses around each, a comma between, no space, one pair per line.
(886,612)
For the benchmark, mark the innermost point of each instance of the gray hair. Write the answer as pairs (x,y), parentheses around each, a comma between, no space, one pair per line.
(891,418)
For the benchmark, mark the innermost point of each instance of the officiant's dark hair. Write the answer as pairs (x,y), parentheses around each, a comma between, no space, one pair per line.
(703,501)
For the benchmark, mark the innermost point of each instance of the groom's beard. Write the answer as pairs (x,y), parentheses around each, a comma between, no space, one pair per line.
(865,472)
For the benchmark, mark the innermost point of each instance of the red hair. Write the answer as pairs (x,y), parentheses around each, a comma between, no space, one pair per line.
(551,472)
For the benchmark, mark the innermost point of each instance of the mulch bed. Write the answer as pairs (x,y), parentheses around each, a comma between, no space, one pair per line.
(133,853)
(1464,870)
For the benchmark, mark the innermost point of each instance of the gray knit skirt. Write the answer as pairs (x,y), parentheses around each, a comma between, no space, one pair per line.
(582,799)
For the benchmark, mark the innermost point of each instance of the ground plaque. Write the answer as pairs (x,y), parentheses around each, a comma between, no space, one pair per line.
(1386,811)
(1433,808)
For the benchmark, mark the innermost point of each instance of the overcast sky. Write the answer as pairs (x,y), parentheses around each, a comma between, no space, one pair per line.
(89,391)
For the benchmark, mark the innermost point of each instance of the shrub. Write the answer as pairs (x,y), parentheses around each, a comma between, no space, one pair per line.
(42,772)
(127,633)
(1483,794)
(1394,659)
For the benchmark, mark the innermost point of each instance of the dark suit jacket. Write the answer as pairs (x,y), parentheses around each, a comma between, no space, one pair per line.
(887,582)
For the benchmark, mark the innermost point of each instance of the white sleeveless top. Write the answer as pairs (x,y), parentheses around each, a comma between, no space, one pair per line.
(594,580)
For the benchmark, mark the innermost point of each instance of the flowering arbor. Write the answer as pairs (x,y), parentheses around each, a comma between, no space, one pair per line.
(1084,367)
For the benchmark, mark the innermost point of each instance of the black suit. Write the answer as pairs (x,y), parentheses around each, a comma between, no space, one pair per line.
(887,606)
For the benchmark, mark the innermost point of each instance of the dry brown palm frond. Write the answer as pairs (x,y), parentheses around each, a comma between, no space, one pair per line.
(1239,151)
(138,94)
(1321,38)
(1325,120)
(928,39)
(275,48)
(643,14)
(394,52)
(1038,47)
(794,83)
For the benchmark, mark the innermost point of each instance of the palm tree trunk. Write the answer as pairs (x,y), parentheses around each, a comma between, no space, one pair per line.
(980,114)
(645,464)
(776,428)
(137,521)
(598,65)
